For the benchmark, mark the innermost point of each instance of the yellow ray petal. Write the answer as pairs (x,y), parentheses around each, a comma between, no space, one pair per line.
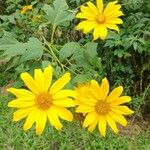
(92,126)
(30,83)
(114,21)
(22,93)
(113,27)
(115,93)
(90,117)
(41,118)
(105,87)
(112,123)
(84,16)
(86,25)
(64,113)
(21,113)
(21,103)
(123,110)
(118,118)
(114,14)
(120,100)
(100,6)
(64,94)
(48,72)
(100,32)
(53,118)
(84,109)
(102,125)
(93,8)
(39,79)
(87,12)
(95,89)
(30,119)
(60,83)
(66,102)
(109,7)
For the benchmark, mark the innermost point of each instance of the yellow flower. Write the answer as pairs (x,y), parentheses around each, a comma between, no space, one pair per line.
(100,108)
(26,8)
(99,19)
(42,101)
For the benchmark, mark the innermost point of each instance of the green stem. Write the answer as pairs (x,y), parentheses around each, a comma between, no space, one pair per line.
(52,35)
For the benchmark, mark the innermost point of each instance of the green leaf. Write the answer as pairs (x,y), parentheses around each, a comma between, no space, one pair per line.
(68,49)
(59,13)
(33,49)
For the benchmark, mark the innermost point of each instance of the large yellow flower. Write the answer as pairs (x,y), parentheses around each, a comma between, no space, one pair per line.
(100,108)
(26,9)
(43,101)
(99,19)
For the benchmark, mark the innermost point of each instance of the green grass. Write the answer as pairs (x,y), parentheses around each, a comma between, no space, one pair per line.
(72,137)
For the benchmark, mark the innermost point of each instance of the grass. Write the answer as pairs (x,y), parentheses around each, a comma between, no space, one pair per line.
(72,137)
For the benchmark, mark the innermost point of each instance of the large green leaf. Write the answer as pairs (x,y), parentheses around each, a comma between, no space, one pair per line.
(68,49)
(58,13)
(32,49)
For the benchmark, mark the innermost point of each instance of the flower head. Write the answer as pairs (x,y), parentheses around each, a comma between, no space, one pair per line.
(100,107)
(99,19)
(26,9)
(43,100)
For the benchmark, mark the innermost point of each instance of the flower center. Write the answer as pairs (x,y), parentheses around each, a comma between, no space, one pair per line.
(44,101)
(100,19)
(102,107)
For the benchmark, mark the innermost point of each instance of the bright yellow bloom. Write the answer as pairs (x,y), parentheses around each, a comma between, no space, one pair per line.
(99,19)
(26,8)
(100,107)
(43,100)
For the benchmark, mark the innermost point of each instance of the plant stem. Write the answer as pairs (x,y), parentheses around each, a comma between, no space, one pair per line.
(52,35)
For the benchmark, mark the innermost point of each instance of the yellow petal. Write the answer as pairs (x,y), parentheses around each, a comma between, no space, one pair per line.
(100,32)
(118,118)
(39,79)
(95,89)
(90,117)
(22,93)
(120,100)
(21,113)
(66,102)
(115,94)
(111,122)
(114,14)
(84,109)
(20,103)
(48,72)
(100,6)
(105,87)
(64,113)
(123,110)
(109,7)
(85,16)
(93,8)
(60,83)
(41,118)
(114,21)
(30,119)
(86,25)
(30,83)
(87,11)
(53,118)
(102,125)
(64,94)
(92,126)
(113,27)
